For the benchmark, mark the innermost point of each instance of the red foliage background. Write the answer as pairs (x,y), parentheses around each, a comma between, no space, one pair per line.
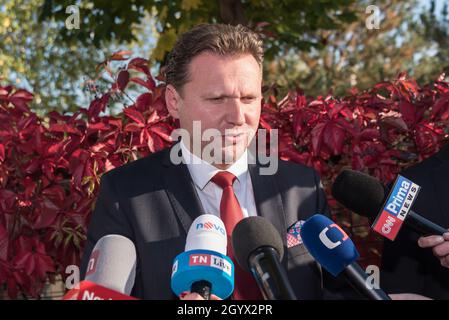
(50,166)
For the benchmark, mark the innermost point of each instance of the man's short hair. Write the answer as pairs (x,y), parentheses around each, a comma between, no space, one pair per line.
(221,39)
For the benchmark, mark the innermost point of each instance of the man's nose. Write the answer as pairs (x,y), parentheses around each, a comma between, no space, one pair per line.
(236,112)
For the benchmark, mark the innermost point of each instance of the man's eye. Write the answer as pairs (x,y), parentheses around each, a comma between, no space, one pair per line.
(217,99)
(249,98)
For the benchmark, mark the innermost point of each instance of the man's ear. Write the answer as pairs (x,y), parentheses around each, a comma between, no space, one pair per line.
(172,100)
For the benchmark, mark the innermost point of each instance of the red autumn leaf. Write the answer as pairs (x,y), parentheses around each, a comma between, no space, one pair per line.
(144,101)
(264,124)
(4,243)
(63,127)
(99,126)
(301,101)
(20,100)
(2,152)
(135,115)
(369,134)
(3,93)
(163,131)
(333,137)
(8,199)
(120,55)
(335,110)
(408,111)
(317,137)
(34,262)
(149,83)
(22,94)
(133,127)
(407,87)
(98,105)
(394,122)
(441,105)
(153,117)
(30,187)
(139,64)
(46,215)
(20,104)
(56,193)
(122,80)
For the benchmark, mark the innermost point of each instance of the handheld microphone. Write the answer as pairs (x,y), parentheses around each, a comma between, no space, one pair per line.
(366,196)
(334,251)
(204,267)
(258,249)
(111,271)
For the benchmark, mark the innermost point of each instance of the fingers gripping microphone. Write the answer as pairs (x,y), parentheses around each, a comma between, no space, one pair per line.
(111,271)
(204,267)
(334,251)
(366,196)
(258,249)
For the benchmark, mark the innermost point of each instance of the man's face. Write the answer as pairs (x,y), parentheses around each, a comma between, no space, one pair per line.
(222,93)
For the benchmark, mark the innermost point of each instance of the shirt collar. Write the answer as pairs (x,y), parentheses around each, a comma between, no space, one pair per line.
(202,171)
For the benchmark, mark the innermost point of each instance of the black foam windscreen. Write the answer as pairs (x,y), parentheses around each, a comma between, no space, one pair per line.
(251,234)
(359,193)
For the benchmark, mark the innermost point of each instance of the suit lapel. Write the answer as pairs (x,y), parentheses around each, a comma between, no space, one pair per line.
(181,191)
(268,201)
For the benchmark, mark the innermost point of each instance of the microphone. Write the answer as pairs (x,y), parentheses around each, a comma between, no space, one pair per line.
(258,249)
(204,267)
(366,196)
(110,273)
(334,251)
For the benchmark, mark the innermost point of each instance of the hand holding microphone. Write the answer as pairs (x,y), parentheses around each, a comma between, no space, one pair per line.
(439,246)
(366,196)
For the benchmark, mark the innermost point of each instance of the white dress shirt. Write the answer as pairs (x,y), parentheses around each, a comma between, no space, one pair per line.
(209,193)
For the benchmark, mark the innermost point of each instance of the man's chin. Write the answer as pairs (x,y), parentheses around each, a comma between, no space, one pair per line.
(231,155)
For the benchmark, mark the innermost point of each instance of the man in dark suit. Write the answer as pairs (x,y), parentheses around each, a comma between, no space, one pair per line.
(408,264)
(214,79)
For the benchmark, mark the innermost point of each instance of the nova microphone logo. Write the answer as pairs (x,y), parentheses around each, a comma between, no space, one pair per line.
(211,227)
(396,208)
(333,239)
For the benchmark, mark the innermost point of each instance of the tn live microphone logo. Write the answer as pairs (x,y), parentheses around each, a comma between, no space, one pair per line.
(373,272)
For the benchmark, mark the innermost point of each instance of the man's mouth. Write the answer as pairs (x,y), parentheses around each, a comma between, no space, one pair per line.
(235,137)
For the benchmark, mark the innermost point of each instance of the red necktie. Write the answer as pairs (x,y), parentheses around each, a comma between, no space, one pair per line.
(245,287)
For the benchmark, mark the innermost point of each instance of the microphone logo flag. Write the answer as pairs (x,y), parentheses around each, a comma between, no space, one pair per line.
(211,226)
(210,260)
(396,208)
(92,264)
(327,241)
(294,235)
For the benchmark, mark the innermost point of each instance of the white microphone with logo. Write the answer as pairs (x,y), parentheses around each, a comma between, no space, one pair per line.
(110,273)
(204,267)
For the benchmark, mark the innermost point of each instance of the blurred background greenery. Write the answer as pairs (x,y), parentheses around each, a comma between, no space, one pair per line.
(320,46)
